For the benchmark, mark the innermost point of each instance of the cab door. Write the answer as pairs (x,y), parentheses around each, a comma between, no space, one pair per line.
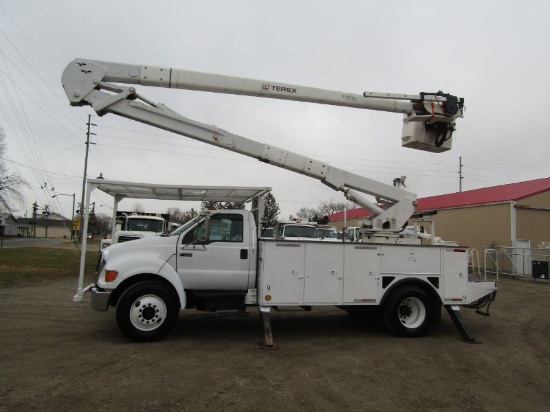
(223,261)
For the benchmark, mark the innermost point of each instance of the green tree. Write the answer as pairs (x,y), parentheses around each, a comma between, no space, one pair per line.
(10,183)
(271,210)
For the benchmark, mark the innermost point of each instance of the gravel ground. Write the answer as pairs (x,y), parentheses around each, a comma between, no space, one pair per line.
(59,355)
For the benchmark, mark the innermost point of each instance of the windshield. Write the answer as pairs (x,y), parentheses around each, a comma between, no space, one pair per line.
(300,231)
(185,226)
(329,233)
(145,225)
(267,232)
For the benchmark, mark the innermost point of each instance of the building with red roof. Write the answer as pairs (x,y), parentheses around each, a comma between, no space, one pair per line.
(514,215)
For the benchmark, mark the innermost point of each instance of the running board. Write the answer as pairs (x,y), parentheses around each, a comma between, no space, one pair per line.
(458,320)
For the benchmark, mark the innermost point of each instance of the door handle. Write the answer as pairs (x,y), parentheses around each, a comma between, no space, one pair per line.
(244,253)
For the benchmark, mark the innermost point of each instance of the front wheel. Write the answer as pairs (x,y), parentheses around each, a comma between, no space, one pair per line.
(146,312)
(409,311)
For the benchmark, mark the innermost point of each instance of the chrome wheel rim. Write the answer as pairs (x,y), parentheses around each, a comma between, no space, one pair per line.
(148,312)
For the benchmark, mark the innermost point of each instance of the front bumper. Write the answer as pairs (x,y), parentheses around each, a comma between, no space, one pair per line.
(100,298)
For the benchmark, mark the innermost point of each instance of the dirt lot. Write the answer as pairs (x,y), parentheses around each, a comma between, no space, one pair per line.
(58,355)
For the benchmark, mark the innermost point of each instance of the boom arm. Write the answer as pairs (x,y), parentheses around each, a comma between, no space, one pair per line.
(429,119)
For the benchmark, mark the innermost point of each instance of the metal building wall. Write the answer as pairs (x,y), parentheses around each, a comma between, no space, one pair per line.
(476,227)
(533,218)
(542,200)
(533,224)
(53,232)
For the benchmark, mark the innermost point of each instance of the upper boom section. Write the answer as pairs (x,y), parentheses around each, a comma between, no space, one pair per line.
(166,77)
(428,117)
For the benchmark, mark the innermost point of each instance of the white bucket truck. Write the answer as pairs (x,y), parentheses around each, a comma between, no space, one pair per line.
(219,260)
(134,225)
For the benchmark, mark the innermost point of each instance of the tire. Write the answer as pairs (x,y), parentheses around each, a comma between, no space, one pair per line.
(146,312)
(409,312)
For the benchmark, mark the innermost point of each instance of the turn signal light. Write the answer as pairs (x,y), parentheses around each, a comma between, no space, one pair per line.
(110,275)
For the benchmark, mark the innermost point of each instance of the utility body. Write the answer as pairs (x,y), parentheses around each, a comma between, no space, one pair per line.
(220,261)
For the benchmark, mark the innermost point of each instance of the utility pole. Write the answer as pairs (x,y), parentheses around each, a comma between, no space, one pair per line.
(82,205)
(34,216)
(460,174)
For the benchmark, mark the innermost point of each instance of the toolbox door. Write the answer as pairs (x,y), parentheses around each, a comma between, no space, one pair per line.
(361,274)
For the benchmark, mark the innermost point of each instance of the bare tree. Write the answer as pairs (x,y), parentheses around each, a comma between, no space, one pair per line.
(176,214)
(181,216)
(10,183)
(331,206)
(307,213)
(324,209)
(103,225)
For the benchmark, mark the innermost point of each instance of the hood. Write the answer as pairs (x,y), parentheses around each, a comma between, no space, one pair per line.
(163,247)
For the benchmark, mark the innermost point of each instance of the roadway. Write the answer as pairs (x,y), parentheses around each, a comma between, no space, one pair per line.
(18,242)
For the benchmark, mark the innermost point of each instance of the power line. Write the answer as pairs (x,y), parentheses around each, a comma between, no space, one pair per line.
(32,168)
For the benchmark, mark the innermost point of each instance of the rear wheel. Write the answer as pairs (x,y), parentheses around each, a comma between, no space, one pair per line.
(409,311)
(146,312)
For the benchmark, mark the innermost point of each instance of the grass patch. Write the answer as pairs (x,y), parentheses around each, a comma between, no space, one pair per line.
(32,264)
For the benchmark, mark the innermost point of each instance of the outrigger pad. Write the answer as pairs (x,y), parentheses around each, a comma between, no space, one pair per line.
(458,320)
(268,343)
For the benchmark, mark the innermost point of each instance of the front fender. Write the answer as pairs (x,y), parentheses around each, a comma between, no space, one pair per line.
(140,265)
(168,273)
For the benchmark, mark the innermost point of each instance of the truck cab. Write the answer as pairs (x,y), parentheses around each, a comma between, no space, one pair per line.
(212,258)
(328,233)
(352,233)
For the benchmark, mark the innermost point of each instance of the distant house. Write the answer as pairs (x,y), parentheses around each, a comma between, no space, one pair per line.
(515,215)
(51,225)
(8,225)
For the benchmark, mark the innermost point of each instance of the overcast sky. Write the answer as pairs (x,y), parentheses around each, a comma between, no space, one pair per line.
(492,53)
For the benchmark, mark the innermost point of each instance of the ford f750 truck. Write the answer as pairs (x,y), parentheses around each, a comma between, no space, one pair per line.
(220,261)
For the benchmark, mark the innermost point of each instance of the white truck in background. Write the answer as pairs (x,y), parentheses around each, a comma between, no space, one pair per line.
(328,233)
(352,233)
(296,231)
(219,260)
(137,225)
